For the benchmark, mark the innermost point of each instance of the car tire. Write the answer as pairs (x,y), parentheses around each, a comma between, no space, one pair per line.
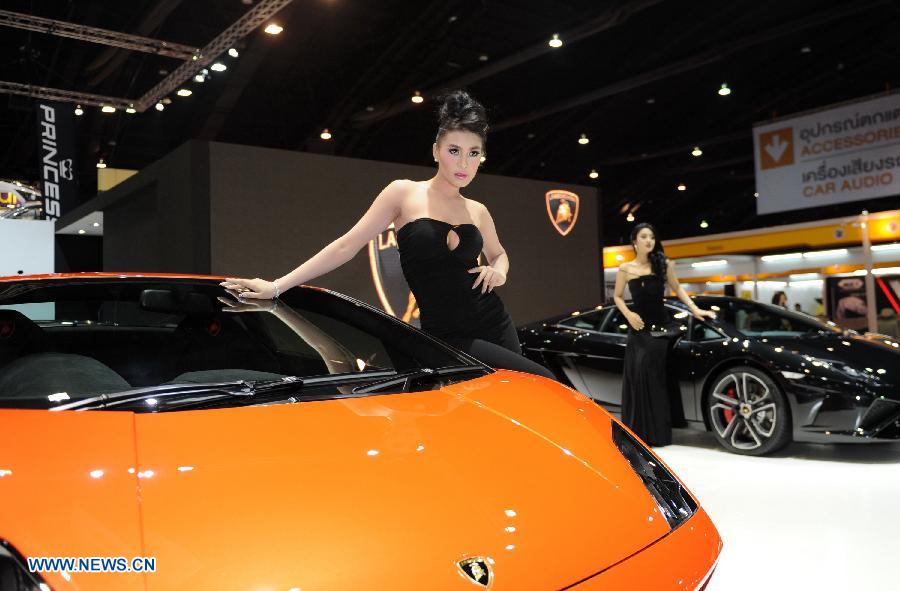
(747,412)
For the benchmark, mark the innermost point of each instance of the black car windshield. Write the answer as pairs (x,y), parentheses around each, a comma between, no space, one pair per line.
(753,319)
(65,340)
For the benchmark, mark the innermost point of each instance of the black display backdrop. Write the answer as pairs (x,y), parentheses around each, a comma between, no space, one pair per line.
(256,212)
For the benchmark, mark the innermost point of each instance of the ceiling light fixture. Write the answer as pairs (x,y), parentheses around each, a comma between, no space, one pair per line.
(593,174)
(697,151)
(724,90)
(583,140)
(273,29)
(325,135)
(555,41)
(417,97)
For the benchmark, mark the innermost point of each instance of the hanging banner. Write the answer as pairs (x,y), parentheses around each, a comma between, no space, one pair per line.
(56,153)
(837,155)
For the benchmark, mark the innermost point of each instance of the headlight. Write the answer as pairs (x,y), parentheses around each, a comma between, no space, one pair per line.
(674,502)
(13,574)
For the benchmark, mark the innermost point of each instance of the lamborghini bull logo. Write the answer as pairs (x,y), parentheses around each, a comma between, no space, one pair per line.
(393,291)
(562,207)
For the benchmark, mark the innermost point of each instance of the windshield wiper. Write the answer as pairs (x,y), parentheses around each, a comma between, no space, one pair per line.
(213,390)
(238,388)
(405,379)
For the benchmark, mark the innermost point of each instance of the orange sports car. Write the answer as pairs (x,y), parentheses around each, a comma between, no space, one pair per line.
(156,433)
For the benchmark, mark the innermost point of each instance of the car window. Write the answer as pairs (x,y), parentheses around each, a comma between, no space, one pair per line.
(615,323)
(700,332)
(589,320)
(76,341)
(763,320)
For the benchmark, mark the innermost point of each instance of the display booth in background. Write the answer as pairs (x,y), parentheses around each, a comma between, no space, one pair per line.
(246,211)
(848,304)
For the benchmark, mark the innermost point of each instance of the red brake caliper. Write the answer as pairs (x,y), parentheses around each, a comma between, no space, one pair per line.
(729,414)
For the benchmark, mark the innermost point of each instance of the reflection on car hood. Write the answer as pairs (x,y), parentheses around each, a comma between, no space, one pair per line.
(377,492)
(865,354)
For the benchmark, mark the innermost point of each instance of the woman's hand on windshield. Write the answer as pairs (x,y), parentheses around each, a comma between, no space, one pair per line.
(235,304)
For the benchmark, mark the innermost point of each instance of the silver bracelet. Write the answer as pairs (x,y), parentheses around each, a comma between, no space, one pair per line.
(277,289)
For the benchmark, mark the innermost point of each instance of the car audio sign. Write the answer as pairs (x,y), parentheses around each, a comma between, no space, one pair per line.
(840,154)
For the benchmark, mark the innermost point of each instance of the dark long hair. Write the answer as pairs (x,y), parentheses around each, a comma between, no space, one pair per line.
(459,111)
(657,256)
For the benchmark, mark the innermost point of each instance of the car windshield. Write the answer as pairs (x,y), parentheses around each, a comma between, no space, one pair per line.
(66,340)
(753,319)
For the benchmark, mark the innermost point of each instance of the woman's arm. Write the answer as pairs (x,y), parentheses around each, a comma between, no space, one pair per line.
(495,272)
(672,280)
(634,319)
(381,213)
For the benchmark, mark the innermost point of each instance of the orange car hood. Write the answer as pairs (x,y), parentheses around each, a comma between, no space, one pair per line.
(379,492)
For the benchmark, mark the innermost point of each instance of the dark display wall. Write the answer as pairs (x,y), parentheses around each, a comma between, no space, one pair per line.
(238,210)
(272,209)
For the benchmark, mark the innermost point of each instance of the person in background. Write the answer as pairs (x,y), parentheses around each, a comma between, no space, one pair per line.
(780,299)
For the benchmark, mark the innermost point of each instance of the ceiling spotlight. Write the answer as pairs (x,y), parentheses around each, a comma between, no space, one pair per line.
(325,135)
(697,151)
(79,111)
(650,101)
(629,217)
(101,163)
(805,49)
(108,109)
(482,58)
(482,159)
(756,194)
(682,187)
(200,78)
(724,90)
(555,42)
(81,231)
(273,29)
(417,97)
(583,140)
(160,106)
(166,101)
(704,225)
(233,52)
(593,174)
(218,67)
(184,92)
(130,109)
(96,224)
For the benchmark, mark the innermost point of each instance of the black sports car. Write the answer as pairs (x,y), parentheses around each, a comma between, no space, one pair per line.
(757,376)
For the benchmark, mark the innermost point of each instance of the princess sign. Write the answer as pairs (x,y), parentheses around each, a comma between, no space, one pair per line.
(840,154)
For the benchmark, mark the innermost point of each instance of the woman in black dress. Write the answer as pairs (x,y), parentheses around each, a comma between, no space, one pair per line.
(645,397)
(440,235)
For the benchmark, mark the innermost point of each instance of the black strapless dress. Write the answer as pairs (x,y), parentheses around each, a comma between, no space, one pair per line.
(645,397)
(440,280)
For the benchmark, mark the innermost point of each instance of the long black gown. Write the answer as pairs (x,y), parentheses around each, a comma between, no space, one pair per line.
(450,309)
(645,398)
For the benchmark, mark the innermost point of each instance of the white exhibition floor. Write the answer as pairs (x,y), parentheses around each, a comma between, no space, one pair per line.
(811,516)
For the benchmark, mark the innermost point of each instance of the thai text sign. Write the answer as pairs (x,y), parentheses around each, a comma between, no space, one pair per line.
(831,156)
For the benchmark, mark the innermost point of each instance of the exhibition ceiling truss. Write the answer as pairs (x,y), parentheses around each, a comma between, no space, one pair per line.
(193,59)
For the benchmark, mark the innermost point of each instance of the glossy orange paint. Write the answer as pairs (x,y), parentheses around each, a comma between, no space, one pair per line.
(384,492)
